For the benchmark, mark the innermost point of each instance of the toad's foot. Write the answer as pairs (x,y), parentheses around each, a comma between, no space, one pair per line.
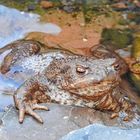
(27,98)
(28,108)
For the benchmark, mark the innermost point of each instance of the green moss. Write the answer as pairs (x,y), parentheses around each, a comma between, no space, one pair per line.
(95,8)
(136,54)
(122,21)
(135,80)
(136,47)
(116,38)
(134,17)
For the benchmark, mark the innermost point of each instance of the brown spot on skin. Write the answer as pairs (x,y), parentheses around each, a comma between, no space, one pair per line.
(34,49)
(126,119)
(37,94)
(65,69)
(103,101)
(114,115)
(108,102)
(114,106)
(126,105)
(5,67)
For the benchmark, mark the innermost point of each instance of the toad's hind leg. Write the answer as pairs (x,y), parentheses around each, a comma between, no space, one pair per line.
(27,98)
(19,50)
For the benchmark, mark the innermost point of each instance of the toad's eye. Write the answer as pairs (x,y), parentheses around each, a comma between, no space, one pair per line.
(116,67)
(81,69)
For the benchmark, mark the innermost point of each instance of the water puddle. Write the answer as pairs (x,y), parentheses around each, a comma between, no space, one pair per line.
(15,25)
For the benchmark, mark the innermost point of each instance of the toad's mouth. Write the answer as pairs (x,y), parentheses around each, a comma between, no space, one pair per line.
(92,82)
(93,89)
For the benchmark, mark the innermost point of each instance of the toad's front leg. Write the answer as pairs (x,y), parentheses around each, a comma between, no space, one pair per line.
(28,97)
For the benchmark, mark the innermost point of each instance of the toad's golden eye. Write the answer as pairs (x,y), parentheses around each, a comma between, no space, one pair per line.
(80,69)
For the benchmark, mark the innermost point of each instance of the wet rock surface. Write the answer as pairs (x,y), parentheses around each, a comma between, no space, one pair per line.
(59,121)
(101,132)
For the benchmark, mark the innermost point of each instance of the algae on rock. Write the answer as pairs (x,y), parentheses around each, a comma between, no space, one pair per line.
(116,38)
(136,54)
(136,47)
